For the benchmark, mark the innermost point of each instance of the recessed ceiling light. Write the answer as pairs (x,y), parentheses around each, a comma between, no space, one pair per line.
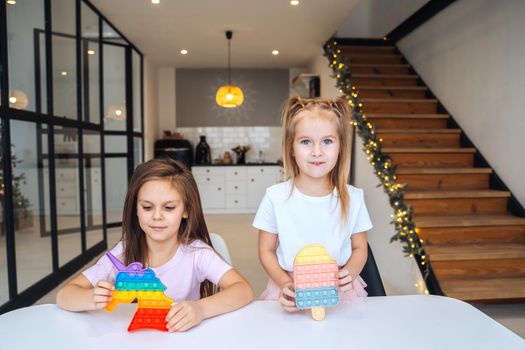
(12,99)
(294,2)
(90,52)
(64,73)
(155,2)
(184,52)
(275,52)
(11,2)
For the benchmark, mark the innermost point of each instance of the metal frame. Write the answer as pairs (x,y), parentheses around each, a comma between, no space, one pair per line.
(47,118)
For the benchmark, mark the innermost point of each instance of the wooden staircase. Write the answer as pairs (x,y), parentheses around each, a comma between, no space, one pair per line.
(476,246)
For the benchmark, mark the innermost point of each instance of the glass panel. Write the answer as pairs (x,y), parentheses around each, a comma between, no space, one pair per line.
(24,21)
(137,151)
(117,184)
(67,193)
(115,144)
(92,188)
(4,287)
(90,65)
(31,201)
(64,77)
(63,17)
(114,88)
(110,35)
(137,83)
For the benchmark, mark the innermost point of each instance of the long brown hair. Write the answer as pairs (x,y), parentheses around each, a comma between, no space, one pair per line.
(191,228)
(340,174)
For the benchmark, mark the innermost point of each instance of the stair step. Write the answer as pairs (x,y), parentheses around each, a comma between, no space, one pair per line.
(393,92)
(429,150)
(456,194)
(359,79)
(431,157)
(420,137)
(398,100)
(351,50)
(385,121)
(462,205)
(478,267)
(476,251)
(443,181)
(425,171)
(374,57)
(420,131)
(508,232)
(386,76)
(378,68)
(484,289)
(468,221)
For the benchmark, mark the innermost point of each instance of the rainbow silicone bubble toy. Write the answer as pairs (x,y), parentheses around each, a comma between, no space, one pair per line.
(134,282)
(316,280)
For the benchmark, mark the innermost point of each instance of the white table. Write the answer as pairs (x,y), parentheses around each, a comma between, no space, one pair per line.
(395,322)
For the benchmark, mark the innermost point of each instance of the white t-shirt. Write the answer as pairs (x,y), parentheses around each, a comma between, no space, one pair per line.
(299,220)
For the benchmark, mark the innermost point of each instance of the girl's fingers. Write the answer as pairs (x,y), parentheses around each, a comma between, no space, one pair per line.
(179,315)
(175,309)
(105,285)
(345,280)
(102,291)
(286,302)
(291,309)
(101,299)
(176,325)
(287,290)
(184,325)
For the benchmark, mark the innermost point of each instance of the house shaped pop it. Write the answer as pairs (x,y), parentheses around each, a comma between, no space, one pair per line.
(315,279)
(134,282)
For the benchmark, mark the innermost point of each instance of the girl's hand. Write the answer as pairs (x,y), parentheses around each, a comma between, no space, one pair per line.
(345,281)
(184,316)
(287,297)
(102,294)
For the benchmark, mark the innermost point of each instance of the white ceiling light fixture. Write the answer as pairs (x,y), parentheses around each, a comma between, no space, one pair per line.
(64,73)
(155,2)
(11,2)
(90,52)
(184,52)
(294,2)
(275,52)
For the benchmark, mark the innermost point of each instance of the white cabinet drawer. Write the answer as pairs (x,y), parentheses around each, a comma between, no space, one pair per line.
(212,195)
(67,206)
(236,201)
(263,170)
(235,187)
(209,179)
(235,173)
(207,171)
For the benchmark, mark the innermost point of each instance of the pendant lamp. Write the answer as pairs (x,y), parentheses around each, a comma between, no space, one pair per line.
(229,96)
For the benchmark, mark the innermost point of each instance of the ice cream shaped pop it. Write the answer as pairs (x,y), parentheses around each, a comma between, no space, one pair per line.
(315,279)
(134,282)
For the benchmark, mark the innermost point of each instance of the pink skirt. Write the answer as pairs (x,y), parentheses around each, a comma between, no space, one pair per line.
(273,292)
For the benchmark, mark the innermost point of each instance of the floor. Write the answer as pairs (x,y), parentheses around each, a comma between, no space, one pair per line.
(241,239)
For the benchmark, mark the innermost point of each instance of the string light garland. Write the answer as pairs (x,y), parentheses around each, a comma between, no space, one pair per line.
(406,230)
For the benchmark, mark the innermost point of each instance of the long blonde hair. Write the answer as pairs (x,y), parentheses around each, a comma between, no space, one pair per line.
(340,174)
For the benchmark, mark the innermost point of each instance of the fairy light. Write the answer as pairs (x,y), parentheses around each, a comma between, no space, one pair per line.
(406,230)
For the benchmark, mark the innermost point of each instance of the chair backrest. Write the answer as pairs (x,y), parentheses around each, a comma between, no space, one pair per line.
(220,246)
(371,276)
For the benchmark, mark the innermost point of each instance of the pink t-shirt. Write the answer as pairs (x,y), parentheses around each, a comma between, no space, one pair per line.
(182,274)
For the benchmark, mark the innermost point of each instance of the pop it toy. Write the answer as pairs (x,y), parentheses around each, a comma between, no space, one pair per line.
(134,282)
(315,279)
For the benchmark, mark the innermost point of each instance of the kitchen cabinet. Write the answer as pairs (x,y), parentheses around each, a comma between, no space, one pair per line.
(234,189)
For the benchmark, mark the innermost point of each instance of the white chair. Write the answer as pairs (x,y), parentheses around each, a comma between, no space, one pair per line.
(220,246)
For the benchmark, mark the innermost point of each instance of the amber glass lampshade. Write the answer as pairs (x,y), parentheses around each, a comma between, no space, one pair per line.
(229,96)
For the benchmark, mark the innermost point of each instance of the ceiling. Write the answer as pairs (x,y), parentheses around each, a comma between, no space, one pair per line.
(259,26)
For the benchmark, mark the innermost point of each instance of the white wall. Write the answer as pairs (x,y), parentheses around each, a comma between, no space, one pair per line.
(166,93)
(151,107)
(376,18)
(471,55)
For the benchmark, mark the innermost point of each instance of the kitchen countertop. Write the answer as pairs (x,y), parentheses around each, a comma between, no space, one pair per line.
(246,164)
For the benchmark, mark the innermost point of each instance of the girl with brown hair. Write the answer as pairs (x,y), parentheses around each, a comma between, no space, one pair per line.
(164,229)
(316,205)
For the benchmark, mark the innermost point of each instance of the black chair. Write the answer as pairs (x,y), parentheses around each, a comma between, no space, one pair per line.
(370,275)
